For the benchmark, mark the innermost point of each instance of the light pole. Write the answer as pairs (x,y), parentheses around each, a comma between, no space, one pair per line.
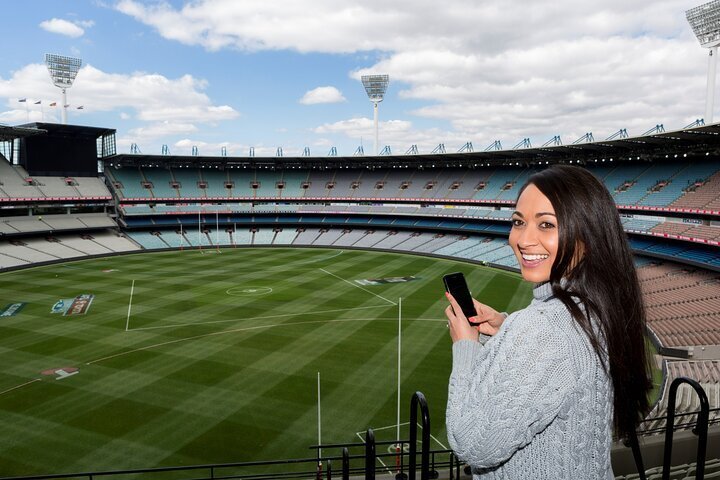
(375,87)
(63,71)
(705,22)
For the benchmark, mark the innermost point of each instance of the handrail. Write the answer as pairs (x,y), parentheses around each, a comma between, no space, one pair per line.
(419,399)
(635,446)
(701,428)
(345,464)
(370,454)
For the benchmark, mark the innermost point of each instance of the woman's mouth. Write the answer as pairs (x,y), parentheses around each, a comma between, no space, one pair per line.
(533,260)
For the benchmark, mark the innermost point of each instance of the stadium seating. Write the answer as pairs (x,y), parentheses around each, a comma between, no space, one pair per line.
(707,373)
(48,223)
(15,183)
(685,471)
(632,184)
(704,196)
(682,304)
(686,176)
(59,247)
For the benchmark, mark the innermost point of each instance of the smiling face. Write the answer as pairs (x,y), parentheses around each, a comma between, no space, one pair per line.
(534,235)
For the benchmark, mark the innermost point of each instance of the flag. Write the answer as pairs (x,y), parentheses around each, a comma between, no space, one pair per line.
(80,107)
(38,102)
(53,104)
(22,100)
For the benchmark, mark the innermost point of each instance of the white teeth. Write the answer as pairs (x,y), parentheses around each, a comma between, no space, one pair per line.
(531,258)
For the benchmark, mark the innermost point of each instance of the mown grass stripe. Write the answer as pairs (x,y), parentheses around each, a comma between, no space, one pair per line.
(218,392)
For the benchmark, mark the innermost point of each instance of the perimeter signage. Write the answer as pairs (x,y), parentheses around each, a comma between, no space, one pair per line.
(74,306)
(385,281)
(11,309)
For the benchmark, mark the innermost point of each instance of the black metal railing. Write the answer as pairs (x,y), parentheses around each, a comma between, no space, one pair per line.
(364,463)
(418,400)
(701,429)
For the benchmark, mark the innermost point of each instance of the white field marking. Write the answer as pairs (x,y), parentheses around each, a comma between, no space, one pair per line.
(127,320)
(19,386)
(438,442)
(250,290)
(385,428)
(321,259)
(236,330)
(255,318)
(403,424)
(376,457)
(358,286)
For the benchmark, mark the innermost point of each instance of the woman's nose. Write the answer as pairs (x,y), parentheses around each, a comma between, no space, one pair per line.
(527,237)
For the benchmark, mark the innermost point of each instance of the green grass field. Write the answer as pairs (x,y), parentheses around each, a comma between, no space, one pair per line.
(218,358)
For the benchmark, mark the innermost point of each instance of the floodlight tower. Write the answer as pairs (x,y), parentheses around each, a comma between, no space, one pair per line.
(63,71)
(705,22)
(375,87)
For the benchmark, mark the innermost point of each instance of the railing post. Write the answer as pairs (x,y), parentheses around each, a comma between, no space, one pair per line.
(701,427)
(419,399)
(370,455)
(637,455)
(400,475)
(345,464)
(329,469)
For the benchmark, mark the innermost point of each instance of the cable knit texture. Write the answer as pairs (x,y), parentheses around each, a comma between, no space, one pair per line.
(533,402)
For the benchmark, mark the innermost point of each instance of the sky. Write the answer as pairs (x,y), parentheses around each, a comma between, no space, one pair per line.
(242,74)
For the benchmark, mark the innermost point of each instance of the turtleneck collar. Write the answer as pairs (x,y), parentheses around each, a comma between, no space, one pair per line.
(542,291)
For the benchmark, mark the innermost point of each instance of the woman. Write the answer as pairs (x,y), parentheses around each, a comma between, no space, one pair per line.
(538,393)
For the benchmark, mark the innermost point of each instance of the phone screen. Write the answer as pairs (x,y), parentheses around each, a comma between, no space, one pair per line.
(457,286)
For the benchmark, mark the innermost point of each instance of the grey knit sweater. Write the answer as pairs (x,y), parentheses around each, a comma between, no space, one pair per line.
(533,401)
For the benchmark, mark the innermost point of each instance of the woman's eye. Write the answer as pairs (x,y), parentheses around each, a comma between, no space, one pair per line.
(547,225)
(515,222)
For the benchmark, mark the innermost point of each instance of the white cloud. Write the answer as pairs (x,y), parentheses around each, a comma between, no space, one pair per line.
(400,135)
(566,67)
(155,98)
(64,27)
(161,130)
(322,95)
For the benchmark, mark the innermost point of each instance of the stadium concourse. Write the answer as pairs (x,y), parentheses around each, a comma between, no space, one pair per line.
(666,186)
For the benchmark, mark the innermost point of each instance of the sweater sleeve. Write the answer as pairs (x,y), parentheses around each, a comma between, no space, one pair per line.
(500,398)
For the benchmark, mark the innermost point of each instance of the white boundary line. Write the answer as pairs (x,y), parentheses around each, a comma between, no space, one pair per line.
(19,386)
(376,457)
(320,259)
(127,320)
(255,318)
(358,286)
(403,424)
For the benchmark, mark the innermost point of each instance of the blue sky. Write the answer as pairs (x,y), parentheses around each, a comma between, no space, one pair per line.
(252,73)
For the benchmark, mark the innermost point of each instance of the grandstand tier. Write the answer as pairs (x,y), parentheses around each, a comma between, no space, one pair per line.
(635,186)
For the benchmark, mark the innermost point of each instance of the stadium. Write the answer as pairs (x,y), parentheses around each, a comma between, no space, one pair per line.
(189,316)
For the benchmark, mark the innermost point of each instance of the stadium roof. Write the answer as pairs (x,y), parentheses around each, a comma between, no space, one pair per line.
(8,133)
(68,130)
(697,141)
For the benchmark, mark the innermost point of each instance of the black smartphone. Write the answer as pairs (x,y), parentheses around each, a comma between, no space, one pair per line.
(457,286)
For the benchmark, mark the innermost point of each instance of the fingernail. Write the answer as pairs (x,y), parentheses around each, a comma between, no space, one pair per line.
(447,294)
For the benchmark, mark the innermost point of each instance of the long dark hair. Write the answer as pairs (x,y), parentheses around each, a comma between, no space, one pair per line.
(595,260)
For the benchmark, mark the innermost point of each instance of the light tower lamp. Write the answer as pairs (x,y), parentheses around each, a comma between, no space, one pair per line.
(375,87)
(705,22)
(63,71)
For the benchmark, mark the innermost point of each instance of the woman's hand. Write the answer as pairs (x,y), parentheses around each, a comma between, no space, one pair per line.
(459,327)
(488,318)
